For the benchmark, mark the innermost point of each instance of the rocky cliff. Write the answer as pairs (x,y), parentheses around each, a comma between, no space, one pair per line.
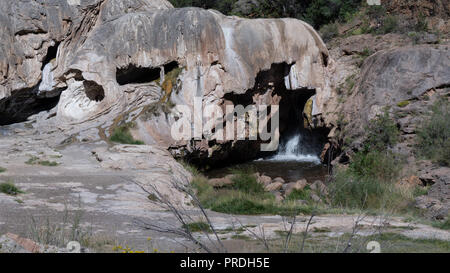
(112,62)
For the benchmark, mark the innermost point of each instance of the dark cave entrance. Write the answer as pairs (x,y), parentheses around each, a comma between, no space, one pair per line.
(133,74)
(23,104)
(26,102)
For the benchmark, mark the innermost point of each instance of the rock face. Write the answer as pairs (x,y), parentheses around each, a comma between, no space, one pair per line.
(390,78)
(111,62)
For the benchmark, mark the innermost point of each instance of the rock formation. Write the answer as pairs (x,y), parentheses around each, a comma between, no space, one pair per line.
(113,62)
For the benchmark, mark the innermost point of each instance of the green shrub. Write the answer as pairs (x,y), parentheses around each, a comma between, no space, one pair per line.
(352,191)
(377,165)
(9,188)
(383,133)
(421,25)
(390,24)
(197,227)
(2,170)
(329,31)
(368,182)
(246,204)
(445,225)
(403,104)
(433,136)
(122,135)
(34,160)
(304,194)
(244,180)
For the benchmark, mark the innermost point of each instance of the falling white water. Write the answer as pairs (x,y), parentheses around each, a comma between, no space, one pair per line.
(47,82)
(231,55)
(294,150)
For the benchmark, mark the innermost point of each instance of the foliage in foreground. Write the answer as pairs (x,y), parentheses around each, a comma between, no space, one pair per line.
(433,138)
(9,188)
(445,225)
(34,160)
(369,181)
(245,197)
(122,135)
(198,227)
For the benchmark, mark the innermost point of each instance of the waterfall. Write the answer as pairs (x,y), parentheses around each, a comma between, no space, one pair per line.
(47,79)
(295,149)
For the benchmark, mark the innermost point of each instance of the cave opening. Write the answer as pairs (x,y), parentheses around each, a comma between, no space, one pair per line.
(52,52)
(94,91)
(137,75)
(24,103)
(133,74)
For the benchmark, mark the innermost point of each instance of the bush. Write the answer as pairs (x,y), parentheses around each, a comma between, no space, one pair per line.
(2,170)
(197,227)
(122,135)
(377,165)
(9,188)
(246,204)
(320,12)
(389,25)
(244,180)
(352,191)
(383,133)
(329,31)
(445,225)
(304,194)
(403,104)
(433,136)
(368,182)
(34,160)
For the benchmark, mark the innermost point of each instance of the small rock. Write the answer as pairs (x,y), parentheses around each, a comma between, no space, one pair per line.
(290,187)
(410,182)
(221,182)
(279,179)
(276,186)
(433,208)
(265,180)
(278,197)
(319,187)
(301,202)
(316,198)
